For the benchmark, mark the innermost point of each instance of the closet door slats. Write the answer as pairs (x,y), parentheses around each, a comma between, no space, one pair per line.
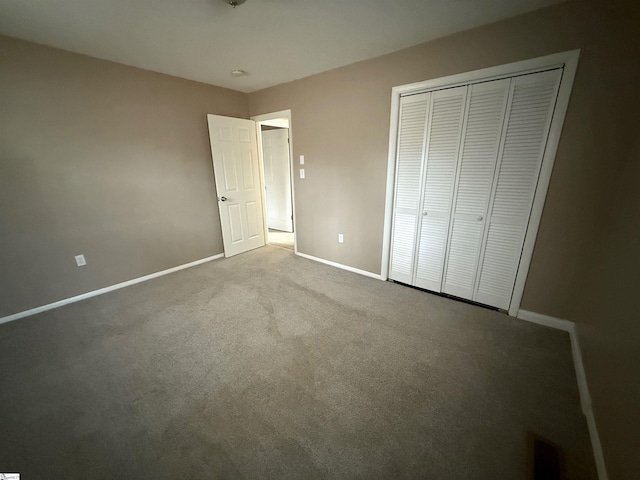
(527,128)
(468,162)
(411,137)
(410,152)
(480,144)
(443,143)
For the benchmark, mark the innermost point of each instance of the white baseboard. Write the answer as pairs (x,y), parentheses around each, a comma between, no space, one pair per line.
(583,387)
(339,265)
(77,298)
(547,321)
(597,446)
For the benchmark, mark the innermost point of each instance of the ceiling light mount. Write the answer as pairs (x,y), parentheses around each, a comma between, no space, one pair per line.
(236,72)
(235,3)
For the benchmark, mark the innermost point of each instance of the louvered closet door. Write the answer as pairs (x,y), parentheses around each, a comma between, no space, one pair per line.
(411,137)
(443,142)
(532,102)
(480,145)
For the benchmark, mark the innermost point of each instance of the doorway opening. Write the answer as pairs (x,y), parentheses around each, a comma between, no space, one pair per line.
(274,146)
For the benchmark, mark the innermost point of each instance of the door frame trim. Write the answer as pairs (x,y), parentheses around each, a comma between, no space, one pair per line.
(567,60)
(259,119)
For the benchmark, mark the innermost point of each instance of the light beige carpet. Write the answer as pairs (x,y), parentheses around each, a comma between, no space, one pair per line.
(281,239)
(268,365)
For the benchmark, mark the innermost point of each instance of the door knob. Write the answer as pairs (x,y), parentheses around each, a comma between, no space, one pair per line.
(223,199)
(479,218)
(424,214)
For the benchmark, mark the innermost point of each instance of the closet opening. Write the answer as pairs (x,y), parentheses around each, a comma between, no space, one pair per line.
(470,158)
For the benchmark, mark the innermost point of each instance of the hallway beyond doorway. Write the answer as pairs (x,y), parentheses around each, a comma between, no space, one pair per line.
(281,239)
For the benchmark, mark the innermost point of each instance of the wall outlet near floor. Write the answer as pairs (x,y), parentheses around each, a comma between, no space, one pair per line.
(80,260)
(340,238)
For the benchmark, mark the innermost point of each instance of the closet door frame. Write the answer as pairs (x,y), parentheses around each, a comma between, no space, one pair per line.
(566,60)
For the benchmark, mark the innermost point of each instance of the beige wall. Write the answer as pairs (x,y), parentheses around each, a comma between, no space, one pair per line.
(100,159)
(340,122)
(609,325)
(607,311)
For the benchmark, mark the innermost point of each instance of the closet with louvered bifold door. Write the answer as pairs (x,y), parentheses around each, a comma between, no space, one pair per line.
(468,160)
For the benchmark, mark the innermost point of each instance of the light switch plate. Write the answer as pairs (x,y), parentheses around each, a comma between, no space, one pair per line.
(302,173)
(340,238)
(80,260)
(301,159)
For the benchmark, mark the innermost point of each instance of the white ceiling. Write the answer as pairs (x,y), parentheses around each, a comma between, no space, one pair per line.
(275,41)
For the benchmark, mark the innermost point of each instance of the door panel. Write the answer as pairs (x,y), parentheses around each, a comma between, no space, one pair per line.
(527,127)
(443,143)
(235,164)
(462,256)
(253,220)
(481,141)
(230,172)
(403,245)
(433,237)
(235,222)
(248,171)
(497,273)
(411,137)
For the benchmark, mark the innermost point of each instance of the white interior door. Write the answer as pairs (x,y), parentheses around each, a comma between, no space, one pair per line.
(277,179)
(443,142)
(237,175)
(411,139)
(530,111)
(478,157)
